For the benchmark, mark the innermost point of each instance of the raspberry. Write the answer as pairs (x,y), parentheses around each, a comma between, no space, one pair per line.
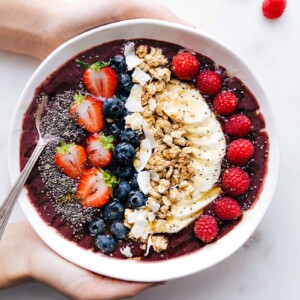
(227,209)
(235,181)
(185,65)
(240,151)
(206,228)
(225,103)
(238,125)
(273,9)
(209,82)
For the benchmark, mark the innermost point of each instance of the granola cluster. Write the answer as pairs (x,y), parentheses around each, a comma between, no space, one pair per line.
(170,162)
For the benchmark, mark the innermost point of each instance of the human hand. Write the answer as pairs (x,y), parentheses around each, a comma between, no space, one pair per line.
(38,27)
(23,256)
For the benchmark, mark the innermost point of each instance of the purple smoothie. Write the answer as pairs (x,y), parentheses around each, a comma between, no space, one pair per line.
(68,78)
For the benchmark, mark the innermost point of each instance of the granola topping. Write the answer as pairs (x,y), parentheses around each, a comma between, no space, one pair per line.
(163,109)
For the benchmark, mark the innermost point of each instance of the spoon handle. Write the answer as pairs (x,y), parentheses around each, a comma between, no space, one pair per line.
(9,202)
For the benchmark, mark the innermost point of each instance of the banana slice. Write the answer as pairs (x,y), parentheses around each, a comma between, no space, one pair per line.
(183,103)
(205,129)
(182,210)
(171,225)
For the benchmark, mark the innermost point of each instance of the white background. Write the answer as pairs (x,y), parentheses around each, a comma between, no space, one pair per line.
(267,267)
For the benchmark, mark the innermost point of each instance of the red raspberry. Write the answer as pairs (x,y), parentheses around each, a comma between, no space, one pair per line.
(209,82)
(225,103)
(227,209)
(273,9)
(240,151)
(206,228)
(235,181)
(238,125)
(185,65)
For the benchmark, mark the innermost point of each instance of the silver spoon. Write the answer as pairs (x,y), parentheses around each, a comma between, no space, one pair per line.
(9,202)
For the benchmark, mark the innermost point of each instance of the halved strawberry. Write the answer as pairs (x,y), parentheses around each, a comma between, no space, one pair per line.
(99,79)
(95,187)
(87,112)
(70,159)
(98,149)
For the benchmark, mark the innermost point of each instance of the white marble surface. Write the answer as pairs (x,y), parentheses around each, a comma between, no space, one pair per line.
(268,266)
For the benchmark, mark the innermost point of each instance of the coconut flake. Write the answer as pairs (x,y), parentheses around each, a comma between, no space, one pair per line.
(152,104)
(132,60)
(129,49)
(140,76)
(126,251)
(144,155)
(132,216)
(149,135)
(134,101)
(143,179)
(149,244)
(150,216)
(139,227)
(154,207)
(135,121)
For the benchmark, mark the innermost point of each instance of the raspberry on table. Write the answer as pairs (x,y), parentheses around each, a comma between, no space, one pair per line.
(185,65)
(235,181)
(225,103)
(240,151)
(238,125)
(273,9)
(209,82)
(227,209)
(206,228)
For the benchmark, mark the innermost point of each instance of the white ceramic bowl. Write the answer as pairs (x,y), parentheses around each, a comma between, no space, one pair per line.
(129,269)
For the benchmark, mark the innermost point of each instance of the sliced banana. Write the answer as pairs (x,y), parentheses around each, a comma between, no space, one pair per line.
(183,103)
(186,210)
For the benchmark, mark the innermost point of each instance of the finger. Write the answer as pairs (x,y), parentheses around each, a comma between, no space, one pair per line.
(94,13)
(124,289)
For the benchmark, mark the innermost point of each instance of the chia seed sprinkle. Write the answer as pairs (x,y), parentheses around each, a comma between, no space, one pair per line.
(76,214)
(58,122)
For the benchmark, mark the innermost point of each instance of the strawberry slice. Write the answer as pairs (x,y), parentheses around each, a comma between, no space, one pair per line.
(98,149)
(87,112)
(70,159)
(99,79)
(95,187)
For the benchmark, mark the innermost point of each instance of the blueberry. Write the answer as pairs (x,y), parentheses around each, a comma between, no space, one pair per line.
(114,210)
(114,129)
(124,83)
(136,199)
(96,227)
(123,172)
(122,97)
(119,230)
(124,153)
(118,63)
(133,181)
(130,136)
(105,244)
(122,190)
(121,121)
(113,108)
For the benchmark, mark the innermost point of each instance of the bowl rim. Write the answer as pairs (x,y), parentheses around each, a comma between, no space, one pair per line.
(148,271)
